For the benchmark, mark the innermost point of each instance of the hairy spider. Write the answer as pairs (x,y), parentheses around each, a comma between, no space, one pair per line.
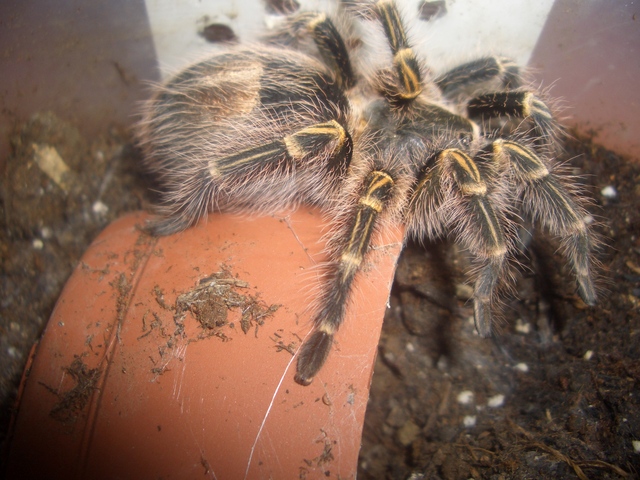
(291,120)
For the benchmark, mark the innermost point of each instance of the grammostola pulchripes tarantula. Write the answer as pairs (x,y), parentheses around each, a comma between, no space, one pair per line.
(290,120)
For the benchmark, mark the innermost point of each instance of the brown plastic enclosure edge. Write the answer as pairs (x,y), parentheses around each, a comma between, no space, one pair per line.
(122,386)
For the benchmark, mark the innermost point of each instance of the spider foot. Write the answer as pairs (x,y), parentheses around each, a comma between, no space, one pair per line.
(580,259)
(313,354)
(483,292)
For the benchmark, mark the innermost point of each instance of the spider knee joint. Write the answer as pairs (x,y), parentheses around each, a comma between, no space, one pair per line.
(527,163)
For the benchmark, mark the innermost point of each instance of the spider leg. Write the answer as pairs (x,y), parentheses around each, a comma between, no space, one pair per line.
(452,194)
(328,141)
(375,192)
(545,198)
(332,48)
(522,104)
(407,84)
(472,74)
(300,146)
(327,39)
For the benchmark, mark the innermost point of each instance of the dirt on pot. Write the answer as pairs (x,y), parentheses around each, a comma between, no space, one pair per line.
(58,191)
(556,393)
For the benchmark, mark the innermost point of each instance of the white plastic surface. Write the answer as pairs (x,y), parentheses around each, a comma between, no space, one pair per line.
(470,28)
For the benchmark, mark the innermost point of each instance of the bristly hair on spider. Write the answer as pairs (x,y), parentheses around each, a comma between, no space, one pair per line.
(297,118)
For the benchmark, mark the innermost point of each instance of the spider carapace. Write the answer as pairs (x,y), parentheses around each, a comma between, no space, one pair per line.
(302,118)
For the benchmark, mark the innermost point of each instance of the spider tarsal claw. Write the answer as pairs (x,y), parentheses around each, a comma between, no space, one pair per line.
(587,291)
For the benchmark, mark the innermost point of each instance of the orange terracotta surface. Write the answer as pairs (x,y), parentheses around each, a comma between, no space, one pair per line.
(119,388)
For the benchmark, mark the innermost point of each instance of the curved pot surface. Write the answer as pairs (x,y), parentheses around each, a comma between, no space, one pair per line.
(173,357)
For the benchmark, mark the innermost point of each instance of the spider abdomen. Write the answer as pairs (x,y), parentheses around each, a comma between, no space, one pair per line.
(252,130)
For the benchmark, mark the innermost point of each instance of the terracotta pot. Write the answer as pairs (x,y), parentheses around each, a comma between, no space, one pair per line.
(139,374)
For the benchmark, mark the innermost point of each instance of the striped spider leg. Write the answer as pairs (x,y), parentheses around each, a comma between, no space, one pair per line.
(545,196)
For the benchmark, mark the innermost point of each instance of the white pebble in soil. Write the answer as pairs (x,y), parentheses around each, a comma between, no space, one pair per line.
(100,208)
(609,192)
(522,327)
(465,397)
(469,421)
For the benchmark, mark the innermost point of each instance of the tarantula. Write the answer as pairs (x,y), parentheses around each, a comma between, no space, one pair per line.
(290,120)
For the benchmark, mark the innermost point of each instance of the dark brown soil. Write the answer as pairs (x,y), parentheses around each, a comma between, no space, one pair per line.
(555,394)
